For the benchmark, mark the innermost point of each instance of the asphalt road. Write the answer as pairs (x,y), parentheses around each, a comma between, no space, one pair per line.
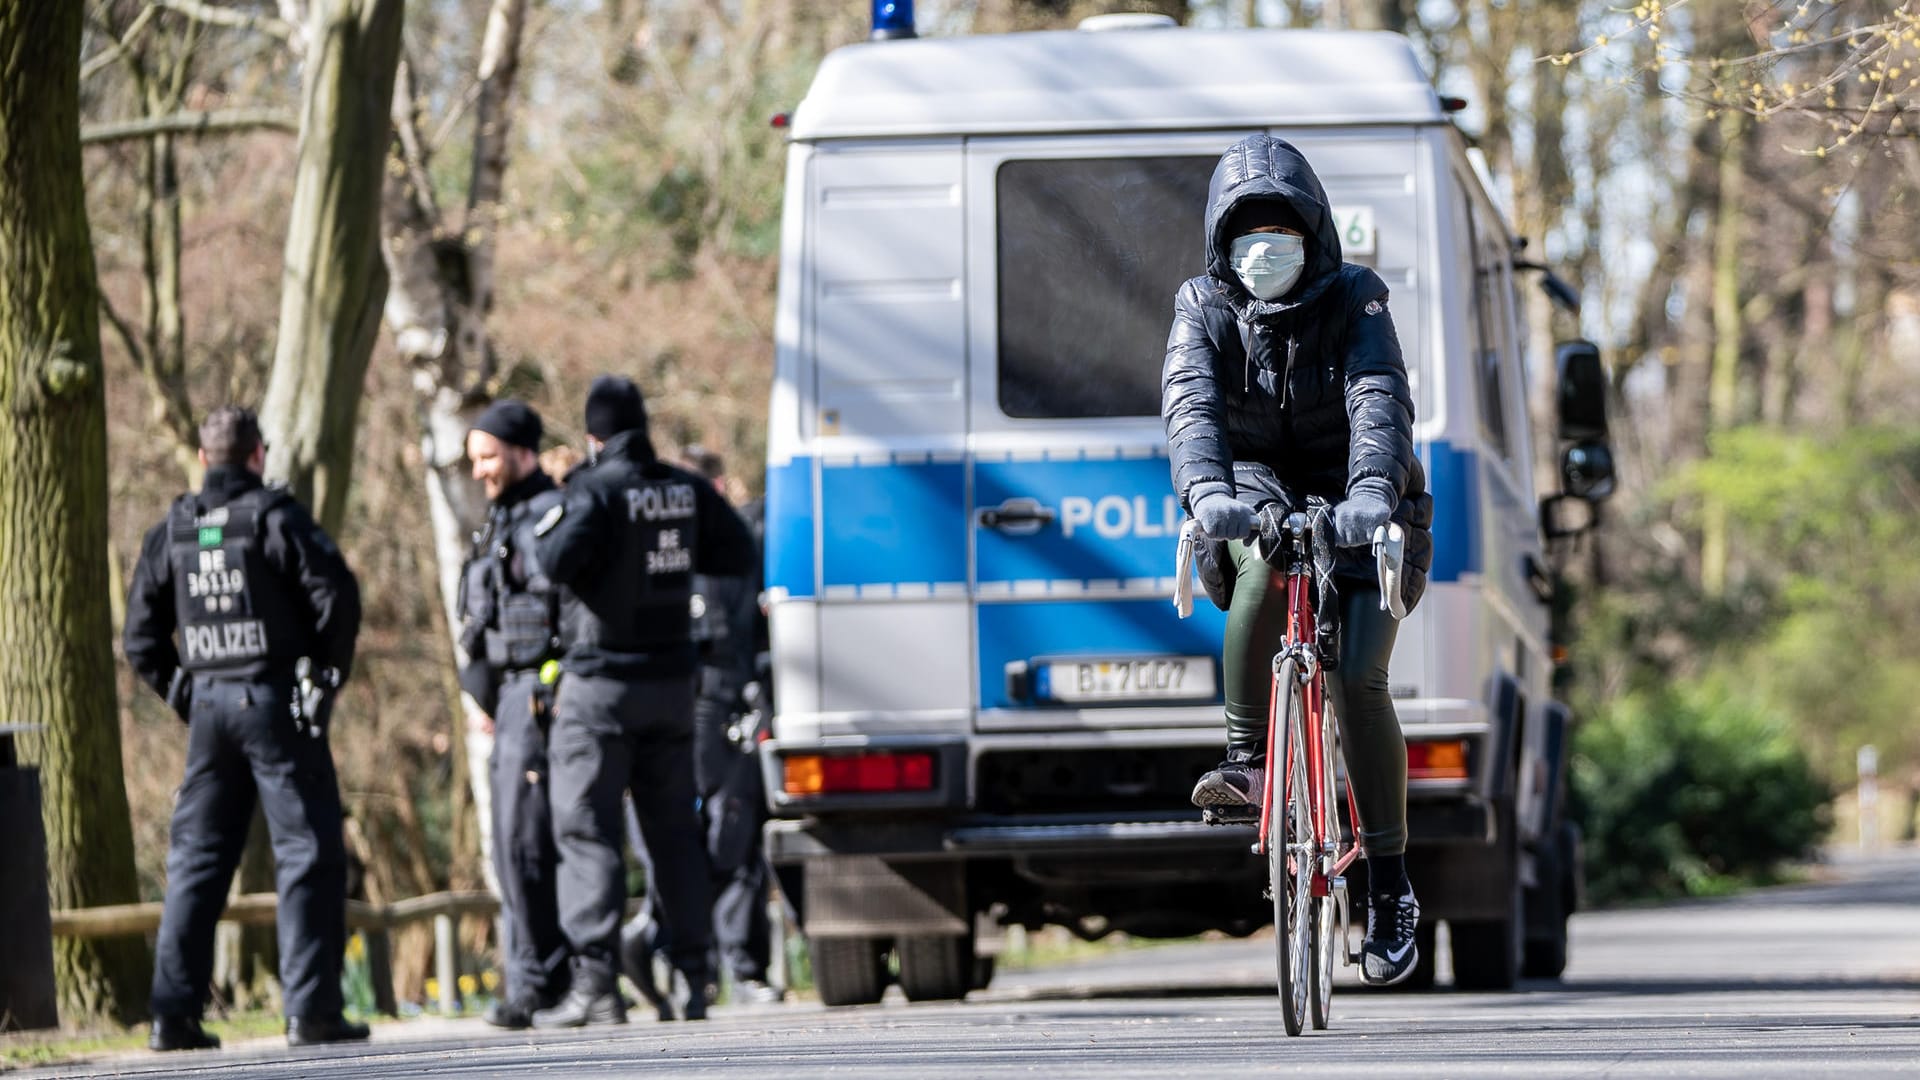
(1805,981)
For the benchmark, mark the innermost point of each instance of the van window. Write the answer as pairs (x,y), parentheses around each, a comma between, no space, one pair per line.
(1091,252)
(1485,329)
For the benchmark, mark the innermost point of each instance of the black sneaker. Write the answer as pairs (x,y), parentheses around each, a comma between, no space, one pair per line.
(1389,953)
(1237,781)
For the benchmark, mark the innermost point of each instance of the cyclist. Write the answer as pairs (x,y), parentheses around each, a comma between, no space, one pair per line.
(1284,380)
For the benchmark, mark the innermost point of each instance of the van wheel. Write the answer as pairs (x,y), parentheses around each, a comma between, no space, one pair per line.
(936,968)
(1546,952)
(849,970)
(1424,965)
(982,972)
(1486,954)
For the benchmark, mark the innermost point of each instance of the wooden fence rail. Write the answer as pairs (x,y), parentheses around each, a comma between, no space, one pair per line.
(374,921)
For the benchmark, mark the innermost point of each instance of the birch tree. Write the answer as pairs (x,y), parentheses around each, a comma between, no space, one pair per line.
(443,287)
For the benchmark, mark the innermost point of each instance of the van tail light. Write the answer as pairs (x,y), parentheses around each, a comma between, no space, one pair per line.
(1445,760)
(835,774)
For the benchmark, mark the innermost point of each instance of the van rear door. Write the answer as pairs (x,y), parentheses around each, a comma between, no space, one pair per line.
(1079,245)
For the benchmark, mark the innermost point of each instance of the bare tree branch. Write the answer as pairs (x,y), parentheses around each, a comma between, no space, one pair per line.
(194,123)
(119,48)
(238,20)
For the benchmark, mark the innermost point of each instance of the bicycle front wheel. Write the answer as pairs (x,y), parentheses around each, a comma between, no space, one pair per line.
(1327,919)
(1291,852)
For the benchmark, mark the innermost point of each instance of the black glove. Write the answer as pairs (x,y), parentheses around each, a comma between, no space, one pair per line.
(1369,504)
(1221,516)
(180,694)
(313,692)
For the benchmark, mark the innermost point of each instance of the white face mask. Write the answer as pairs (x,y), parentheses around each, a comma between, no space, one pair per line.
(1269,263)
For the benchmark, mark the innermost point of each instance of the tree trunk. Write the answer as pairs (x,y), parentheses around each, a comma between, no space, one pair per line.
(1723,392)
(54,612)
(335,281)
(442,290)
(331,293)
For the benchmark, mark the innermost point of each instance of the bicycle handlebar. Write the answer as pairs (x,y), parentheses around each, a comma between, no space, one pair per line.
(1389,550)
(1390,553)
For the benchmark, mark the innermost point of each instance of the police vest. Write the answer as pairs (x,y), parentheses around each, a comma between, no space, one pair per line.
(524,628)
(237,615)
(638,605)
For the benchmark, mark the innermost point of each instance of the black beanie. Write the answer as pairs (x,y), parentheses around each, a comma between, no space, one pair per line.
(512,422)
(614,406)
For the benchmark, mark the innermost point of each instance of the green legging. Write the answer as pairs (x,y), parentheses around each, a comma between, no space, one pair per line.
(1370,736)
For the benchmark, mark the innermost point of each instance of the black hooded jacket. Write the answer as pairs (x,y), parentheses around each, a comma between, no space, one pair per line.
(1303,395)
(311,573)
(631,533)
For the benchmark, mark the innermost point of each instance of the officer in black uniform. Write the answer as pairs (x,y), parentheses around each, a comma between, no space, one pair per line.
(727,631)
(631,533)
(266,612)
(510,626)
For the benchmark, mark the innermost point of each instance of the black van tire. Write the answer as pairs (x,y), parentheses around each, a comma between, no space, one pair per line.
(849,970)
(936,968)
(1546,951)
(982,972)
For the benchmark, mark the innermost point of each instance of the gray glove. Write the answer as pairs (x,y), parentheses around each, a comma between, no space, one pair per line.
(1221,516)
(1369,504)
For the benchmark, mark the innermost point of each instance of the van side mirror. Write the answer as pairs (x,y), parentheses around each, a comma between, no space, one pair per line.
(1586,470)
(1562,294)
(1582,391)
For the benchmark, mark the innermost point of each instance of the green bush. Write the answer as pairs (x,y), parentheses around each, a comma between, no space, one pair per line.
(1692,790)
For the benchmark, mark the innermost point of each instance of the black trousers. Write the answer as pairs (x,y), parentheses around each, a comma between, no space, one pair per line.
(735,813)
(526,861)
(241,744)
(1370,736)
(612,735)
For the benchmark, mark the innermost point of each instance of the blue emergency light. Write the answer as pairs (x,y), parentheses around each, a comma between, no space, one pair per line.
(892,19)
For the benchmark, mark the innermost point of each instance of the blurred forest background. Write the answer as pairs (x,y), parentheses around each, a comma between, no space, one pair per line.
(1730,182)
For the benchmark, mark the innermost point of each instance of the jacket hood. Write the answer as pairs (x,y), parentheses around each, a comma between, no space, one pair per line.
(1263,167)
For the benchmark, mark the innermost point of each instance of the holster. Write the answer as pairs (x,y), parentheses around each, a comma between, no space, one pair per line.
(542,707)
(180,694)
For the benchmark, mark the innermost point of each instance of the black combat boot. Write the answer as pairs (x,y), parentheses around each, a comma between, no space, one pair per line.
(636,962)
(591,1002)
(181,1033)
(314,1030)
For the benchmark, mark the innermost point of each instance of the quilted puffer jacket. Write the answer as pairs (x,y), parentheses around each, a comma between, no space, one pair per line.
(1310,386)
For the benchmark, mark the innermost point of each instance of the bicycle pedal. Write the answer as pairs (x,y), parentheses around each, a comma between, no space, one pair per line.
(1231,815)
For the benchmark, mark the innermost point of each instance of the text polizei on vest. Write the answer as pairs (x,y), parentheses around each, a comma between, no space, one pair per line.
(666,502)
(219,642)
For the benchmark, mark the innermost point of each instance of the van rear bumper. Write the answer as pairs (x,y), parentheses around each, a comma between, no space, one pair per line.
(987,837)
(982,836)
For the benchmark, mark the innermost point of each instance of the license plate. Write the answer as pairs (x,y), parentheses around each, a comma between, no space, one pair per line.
(1153,678)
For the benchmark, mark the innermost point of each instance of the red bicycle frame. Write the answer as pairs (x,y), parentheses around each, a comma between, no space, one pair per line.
(1302,635)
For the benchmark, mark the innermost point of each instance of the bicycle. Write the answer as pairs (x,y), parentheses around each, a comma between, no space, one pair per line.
(1307,850)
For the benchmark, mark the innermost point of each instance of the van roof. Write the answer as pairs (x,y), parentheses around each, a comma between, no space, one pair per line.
(1115,80)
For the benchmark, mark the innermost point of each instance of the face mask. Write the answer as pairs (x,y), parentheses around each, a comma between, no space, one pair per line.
(1269,263)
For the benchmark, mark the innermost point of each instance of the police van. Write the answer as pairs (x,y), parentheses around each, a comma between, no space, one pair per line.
(987,712)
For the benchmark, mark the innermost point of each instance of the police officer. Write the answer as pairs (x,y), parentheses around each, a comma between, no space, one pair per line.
(265,611)
(631,533)
(727,631)
(509,628)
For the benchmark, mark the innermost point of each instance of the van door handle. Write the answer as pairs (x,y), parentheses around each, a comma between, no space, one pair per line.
(1539,578)
(1017,517)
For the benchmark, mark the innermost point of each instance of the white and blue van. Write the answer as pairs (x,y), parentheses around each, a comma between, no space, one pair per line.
(987,712)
